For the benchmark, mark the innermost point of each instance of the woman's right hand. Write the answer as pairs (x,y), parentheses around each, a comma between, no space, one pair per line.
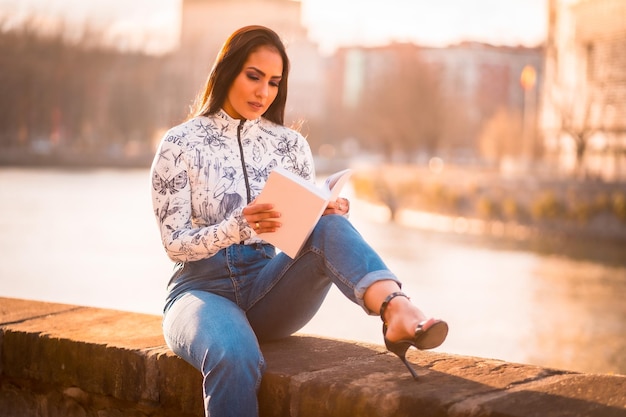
(261,217)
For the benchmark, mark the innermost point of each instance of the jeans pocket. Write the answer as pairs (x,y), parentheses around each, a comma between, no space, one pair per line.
(268,251)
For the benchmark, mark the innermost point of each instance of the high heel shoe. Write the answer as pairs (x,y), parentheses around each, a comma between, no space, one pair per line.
(428,338)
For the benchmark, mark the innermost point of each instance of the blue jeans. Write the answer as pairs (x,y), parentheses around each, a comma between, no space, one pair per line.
(224,305)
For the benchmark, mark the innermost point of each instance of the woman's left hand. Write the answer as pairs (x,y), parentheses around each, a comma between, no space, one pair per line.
(261,217)
(339,206)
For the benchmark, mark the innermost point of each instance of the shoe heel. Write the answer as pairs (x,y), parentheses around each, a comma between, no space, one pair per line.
(422,339)
(399,349)
(409,367)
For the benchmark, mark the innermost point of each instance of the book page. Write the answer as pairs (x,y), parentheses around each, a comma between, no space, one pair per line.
(335,182)
(300,203)
(323,192)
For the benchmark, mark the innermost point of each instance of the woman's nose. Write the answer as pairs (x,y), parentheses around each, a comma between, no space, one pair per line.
(263,90)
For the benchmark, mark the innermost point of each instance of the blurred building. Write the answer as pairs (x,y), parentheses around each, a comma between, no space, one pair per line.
(583,119)
(206,24)
(487,78)
(474,79)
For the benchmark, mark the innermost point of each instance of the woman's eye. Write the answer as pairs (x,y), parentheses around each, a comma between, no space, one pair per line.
(255,77)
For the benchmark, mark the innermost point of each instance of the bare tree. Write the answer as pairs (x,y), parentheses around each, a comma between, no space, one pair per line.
(580,130)
(77,96)
(501,136)
(401,107)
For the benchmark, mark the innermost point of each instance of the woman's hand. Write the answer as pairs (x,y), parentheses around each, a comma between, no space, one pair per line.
(339,206)
(261,217)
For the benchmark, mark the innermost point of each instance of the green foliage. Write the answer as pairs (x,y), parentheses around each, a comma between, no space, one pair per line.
(619,205)
(364,187)
(567,204)
(486,208)
(442,198)
(546,206)
(581,211)
(602,202)
(511,210)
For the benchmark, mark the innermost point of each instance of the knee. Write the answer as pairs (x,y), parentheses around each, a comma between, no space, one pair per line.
(335,227)
(240,360)
(329,231)
(336,234)
(332,223)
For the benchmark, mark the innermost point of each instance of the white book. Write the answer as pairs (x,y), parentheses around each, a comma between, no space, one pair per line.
(300,203)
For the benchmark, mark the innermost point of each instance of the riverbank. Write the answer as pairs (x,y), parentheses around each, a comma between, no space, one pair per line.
(529,207)
(72,159)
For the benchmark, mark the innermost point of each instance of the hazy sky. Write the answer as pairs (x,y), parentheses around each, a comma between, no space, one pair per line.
(428,22)
(332,23)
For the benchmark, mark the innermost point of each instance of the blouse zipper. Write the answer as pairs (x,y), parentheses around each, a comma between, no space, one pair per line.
(243,162)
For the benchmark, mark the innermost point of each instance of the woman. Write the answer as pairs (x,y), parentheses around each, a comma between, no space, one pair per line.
(230,289)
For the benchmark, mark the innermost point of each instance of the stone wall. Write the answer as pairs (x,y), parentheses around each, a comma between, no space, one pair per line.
(65,360)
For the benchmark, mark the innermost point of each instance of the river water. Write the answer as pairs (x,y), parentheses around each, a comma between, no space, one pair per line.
(89,238)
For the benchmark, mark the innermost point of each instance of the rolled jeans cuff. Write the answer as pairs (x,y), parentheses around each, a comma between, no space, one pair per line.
(367,281)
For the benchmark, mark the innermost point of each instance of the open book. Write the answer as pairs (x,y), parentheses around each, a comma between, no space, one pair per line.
(301,205)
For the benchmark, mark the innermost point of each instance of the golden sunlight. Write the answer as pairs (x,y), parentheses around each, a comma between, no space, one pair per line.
(372,22)
(330,23)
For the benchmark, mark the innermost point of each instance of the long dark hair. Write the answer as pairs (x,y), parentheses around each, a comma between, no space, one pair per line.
(228,65)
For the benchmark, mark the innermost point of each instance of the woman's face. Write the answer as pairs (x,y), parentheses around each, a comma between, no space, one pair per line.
(256,86)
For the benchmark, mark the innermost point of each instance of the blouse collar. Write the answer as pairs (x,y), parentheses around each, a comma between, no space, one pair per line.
(232,121)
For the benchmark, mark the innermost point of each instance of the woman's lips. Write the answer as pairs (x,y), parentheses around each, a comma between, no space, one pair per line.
(255,105)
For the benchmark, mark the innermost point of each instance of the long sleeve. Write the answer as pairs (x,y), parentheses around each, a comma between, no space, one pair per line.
(203,173)
(182,237)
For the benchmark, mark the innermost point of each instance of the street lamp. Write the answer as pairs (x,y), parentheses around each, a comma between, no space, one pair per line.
(528,79)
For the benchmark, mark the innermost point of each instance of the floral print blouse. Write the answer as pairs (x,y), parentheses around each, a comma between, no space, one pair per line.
(207,169)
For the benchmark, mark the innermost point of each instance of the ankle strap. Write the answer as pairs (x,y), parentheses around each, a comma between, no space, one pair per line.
(390,297)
